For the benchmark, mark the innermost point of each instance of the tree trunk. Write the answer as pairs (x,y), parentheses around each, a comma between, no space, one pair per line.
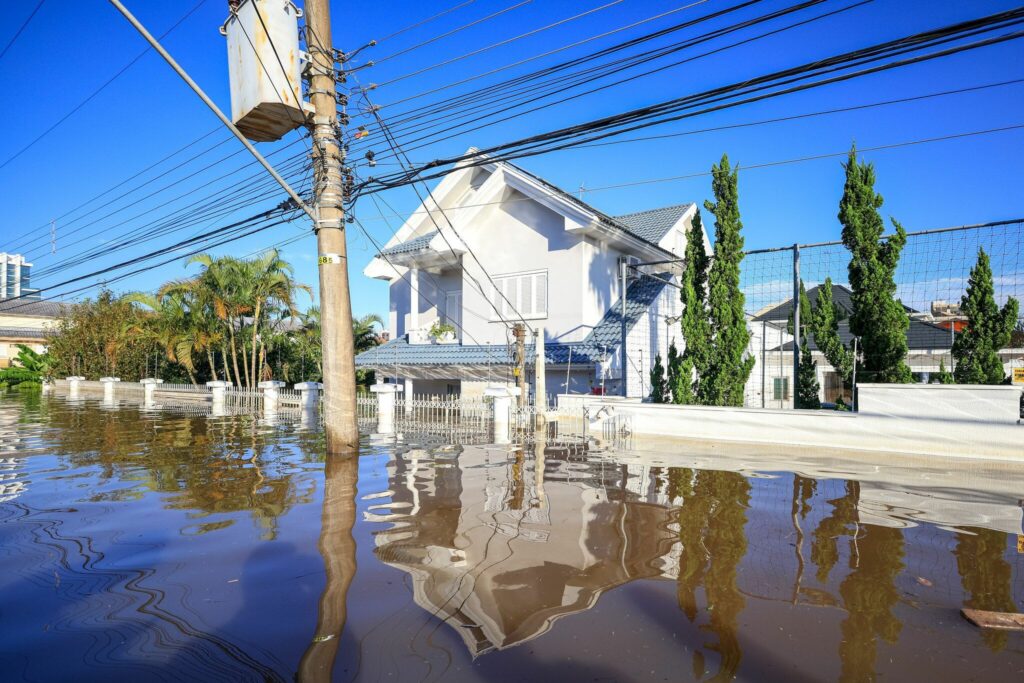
(224,362)
(234,351)
(213,366)
(255,335)
(245,364)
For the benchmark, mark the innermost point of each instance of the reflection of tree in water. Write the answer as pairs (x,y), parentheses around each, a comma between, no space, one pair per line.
(803,490)
(824,544)
(986,576)
(869,593)
(711,530)
(213,467)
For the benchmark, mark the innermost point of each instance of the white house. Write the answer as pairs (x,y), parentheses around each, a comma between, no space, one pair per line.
(502,246)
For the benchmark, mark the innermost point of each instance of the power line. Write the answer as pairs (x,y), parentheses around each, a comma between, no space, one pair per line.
(17,34)
(558,85)
(718,97)
(425,21)
(436,38)
(100,89)
(498,44)
(743,168)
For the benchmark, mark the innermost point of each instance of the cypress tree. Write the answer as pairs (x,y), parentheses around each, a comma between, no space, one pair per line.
(825,328)
(728,364)
(686,369)
(807,386)
(658,381)
(943,376)
(976,348)
(878,318)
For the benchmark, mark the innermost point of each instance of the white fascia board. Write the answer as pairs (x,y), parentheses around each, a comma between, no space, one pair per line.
(379,269)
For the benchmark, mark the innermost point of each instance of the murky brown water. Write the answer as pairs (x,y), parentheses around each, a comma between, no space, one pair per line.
(139,546)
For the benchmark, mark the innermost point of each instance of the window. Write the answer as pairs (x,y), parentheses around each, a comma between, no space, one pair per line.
(521,294)
(780,389)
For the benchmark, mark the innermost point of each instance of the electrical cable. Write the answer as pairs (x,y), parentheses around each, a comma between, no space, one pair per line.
(100,89)
(425,21)
(17,34)
(441,36)
(646,116)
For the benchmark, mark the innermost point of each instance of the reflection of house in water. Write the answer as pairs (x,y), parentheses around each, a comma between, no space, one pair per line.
(500,554)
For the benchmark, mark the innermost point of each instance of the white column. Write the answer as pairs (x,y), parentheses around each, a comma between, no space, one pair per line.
(386,406)
(414,301)
(108,388)
(408,396)
(73,383)
(502,409)
(218,389)
(271,394)
(149,385)
(310,394)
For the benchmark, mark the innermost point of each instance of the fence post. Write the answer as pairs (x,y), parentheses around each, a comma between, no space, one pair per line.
(108,388)
(796,321)
(73,383)
(149,385)
(271,389)
(310,394)
(386,406)
(502,411)
(218,388)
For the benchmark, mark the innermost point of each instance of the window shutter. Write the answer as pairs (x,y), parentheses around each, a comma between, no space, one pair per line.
(526,300)
(540,306)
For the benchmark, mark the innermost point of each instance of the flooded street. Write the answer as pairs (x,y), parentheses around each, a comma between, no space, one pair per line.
(171,545)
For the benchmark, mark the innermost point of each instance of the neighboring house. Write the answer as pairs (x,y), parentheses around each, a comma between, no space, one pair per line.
(26,322)
(929,341)
(548,259)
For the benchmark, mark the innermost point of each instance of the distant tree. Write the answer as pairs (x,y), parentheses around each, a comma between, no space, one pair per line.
(988,329)
(878,318)
(29,369)
(658,384)
(728,365)
(943,376)
(673,367)
(686,369)
(807,386)
(825,328)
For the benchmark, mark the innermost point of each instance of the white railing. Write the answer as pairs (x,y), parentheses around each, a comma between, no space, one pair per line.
(366,407)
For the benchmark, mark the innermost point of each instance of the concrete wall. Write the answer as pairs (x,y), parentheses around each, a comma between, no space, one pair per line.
(965,438)
(957,403)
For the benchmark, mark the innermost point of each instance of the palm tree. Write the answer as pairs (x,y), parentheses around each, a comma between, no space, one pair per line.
(168,325)
(363,332)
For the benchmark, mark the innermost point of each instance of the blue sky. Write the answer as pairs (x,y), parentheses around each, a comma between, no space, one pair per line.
(71,47)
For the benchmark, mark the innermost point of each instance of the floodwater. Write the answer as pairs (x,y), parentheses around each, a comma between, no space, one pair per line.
(175,546)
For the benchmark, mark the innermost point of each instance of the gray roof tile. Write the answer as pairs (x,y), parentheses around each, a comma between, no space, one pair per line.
(22,333)
(415,244)
(654,224)
(32,308)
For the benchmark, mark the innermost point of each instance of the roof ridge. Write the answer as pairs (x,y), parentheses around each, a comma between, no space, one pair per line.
(659,208)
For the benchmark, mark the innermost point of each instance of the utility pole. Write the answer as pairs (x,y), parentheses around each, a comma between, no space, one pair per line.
(339,405)
(519,331)
(540,389)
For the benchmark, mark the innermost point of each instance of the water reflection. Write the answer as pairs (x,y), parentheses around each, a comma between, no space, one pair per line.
(499,560)
(166,544)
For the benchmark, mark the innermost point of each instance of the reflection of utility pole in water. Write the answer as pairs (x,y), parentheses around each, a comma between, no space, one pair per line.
(338,548)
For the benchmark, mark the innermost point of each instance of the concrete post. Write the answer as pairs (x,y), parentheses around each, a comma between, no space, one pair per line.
(310,395)
(149,385)
(271,394)
(108,388)
(408,396)
(73,383)
(218,389)
(386,406)
(502,411)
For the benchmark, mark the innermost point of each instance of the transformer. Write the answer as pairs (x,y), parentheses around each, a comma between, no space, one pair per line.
(265,68)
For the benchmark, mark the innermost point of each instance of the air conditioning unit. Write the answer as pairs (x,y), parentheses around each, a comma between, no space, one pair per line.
(631,263)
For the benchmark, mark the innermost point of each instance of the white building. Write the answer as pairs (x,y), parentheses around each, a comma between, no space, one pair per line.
(24,319)
(503,246)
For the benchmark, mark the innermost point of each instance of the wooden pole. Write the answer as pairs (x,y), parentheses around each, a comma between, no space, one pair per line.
(519,330)
(339,404)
